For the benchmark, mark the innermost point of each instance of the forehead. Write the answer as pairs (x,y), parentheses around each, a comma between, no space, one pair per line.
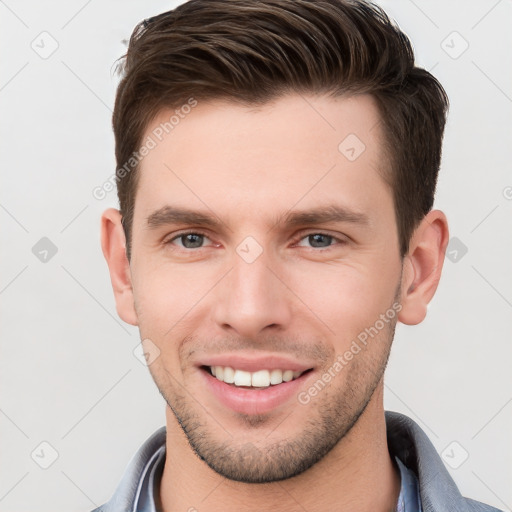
(241,159)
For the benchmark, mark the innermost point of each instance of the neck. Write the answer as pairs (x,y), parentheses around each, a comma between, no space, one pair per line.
(358,474)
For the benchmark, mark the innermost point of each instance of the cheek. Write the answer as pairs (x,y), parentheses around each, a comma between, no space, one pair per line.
(165,293)
(171,303)
(346,299)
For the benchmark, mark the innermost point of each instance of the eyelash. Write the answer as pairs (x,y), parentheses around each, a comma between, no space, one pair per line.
(297,239)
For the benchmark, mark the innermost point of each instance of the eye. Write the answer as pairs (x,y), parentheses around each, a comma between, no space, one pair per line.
(196,240)
(320,240)
(189,240)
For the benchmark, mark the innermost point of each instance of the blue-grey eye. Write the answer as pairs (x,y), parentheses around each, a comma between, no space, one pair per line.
(191,240)
(320,240)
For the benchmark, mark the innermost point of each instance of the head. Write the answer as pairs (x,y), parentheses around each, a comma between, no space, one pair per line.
(277,164)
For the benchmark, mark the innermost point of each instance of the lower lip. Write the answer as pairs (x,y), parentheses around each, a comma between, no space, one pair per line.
(253,401)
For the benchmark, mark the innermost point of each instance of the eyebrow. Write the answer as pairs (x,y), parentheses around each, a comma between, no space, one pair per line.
(168,215)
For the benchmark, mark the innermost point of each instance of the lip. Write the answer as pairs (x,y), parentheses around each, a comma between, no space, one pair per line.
(251,363)
(253,401)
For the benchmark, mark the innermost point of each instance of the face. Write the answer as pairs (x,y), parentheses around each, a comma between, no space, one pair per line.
(264,251)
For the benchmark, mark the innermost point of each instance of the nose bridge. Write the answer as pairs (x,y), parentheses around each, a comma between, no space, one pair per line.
(252,297)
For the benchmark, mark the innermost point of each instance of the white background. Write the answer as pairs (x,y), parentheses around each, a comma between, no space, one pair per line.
(68,375)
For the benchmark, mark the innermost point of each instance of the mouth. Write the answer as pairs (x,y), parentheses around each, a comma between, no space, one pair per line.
(259,379)
(251,387)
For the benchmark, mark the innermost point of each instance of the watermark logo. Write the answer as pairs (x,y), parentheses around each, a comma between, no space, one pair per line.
(146,352)
(454,455)
(351,147)
(45,45)
(44,455)
(249,249)
(456,249)
(454,45)
(44,250)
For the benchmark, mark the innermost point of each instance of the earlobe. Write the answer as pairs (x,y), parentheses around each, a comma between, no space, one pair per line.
(113,244)
(422,267)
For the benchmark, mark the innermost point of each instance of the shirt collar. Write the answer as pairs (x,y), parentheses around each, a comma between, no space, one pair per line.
(409,498)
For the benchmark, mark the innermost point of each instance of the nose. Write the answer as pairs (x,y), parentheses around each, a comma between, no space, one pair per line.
(252,298)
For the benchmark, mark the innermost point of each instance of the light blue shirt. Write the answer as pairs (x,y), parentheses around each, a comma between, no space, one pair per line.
(409,497)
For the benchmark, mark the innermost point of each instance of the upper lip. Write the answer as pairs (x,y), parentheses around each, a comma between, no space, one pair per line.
(251,363)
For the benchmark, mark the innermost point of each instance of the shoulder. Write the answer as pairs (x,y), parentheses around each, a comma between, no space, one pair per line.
(477,506)
(438,491)
(136,476)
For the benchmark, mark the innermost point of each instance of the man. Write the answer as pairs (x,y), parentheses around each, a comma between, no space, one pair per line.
(277,163)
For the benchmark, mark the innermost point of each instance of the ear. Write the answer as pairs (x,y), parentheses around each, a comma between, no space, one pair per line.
(113,244)
(422,267)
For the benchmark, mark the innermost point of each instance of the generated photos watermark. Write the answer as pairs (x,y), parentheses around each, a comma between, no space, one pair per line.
(304,397)
(157,135)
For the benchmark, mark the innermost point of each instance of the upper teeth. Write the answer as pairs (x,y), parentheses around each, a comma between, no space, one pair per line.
(259,379)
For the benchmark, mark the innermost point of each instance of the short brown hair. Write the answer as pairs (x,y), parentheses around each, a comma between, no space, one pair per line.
(251,52)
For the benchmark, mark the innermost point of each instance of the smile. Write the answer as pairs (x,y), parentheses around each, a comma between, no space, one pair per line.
(256,379)
(253,391)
